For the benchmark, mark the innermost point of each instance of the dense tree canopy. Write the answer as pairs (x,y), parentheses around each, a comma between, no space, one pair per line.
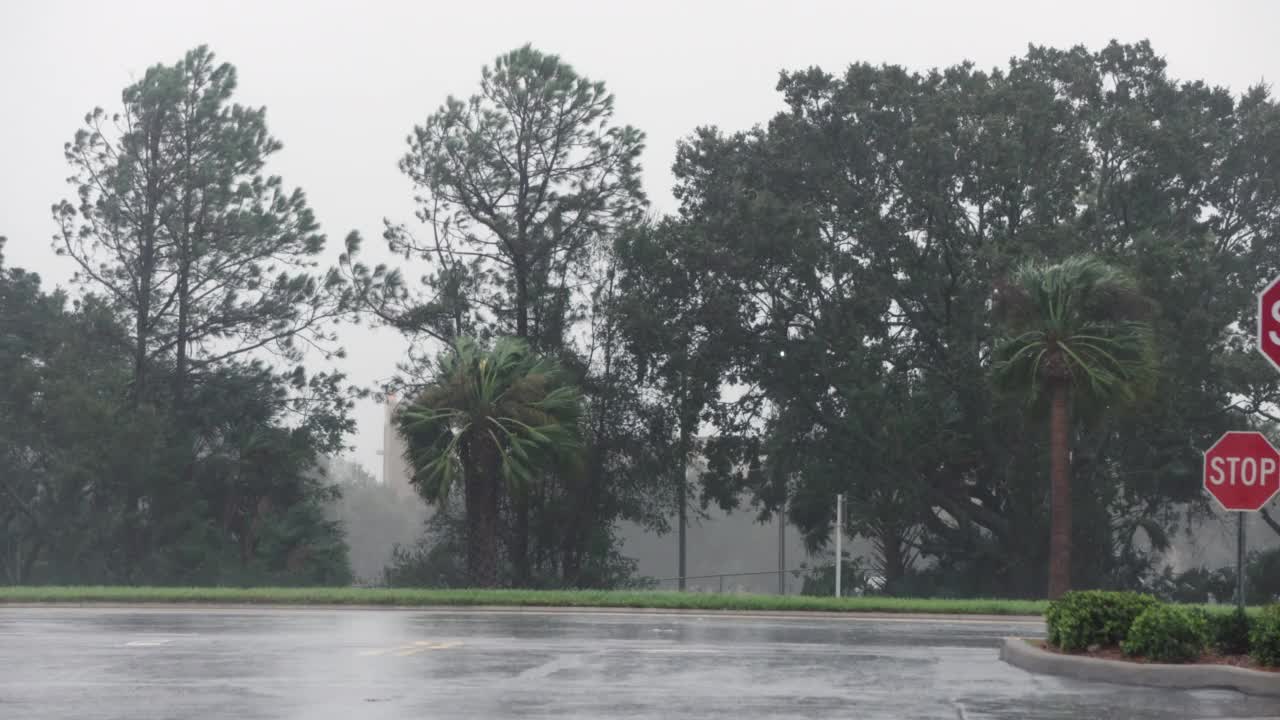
(157,435)
(865,230)
(516,187)
(823,313)
(521,190)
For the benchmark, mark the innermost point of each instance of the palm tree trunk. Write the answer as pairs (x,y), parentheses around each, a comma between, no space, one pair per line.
(520,541)
(892,552)
(482,514)
(1059,493)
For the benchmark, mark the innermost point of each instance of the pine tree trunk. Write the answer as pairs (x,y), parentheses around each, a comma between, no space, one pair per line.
(135,531)
(1059,493)
(520,499)
(147,260)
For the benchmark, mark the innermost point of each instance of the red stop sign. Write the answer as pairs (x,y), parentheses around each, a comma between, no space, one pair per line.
(1242,471)
(1269,322)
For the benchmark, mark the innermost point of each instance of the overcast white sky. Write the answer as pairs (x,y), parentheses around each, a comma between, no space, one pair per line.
(344,82)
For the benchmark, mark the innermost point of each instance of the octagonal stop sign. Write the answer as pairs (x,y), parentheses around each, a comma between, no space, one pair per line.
(1269,322)
(1242,471)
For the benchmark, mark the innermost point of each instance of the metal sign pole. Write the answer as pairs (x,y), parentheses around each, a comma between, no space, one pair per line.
(782,550)
(839,536)
(1240,545)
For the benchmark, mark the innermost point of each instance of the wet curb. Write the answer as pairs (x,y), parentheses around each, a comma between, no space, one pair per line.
(1020,653)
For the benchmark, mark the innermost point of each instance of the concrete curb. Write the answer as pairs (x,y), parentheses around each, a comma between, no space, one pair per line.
(1020,653)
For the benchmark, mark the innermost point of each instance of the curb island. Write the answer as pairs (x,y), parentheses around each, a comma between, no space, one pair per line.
(1021,653)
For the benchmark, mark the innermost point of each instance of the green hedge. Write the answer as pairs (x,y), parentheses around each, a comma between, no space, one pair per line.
(1168,633)
(1082,618)
(1264,638)
(1229,632)
(1141,625)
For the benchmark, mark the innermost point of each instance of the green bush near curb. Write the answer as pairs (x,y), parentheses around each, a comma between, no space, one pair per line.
(1229,631)
(1167,633)
(1264,639)
(1082,618)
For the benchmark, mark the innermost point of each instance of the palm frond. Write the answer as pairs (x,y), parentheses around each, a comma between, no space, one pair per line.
(1082,321)
(519,402)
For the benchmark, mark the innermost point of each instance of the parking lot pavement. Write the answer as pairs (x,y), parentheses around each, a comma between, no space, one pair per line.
(87,663)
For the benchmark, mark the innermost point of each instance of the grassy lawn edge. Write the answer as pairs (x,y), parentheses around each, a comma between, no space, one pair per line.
(515,598)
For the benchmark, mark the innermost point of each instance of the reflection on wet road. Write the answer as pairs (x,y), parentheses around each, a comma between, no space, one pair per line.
(314,664)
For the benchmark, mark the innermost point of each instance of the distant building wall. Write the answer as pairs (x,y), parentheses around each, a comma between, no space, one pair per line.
(1211,542)
(395,470)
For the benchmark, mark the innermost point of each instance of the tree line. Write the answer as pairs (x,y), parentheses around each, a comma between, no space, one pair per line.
(160,427)
(980,303)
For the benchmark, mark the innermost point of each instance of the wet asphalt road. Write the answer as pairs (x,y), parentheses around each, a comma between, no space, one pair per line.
(91,663)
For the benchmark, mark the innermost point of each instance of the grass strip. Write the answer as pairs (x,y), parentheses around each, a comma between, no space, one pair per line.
(513,598)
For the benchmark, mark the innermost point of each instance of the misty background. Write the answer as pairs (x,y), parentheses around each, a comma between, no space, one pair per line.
(345,82)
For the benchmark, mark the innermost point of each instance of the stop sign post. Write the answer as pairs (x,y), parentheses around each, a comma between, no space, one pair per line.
(1242,472)
(1242,469)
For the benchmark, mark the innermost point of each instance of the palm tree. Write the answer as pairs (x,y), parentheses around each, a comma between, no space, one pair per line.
(493,418)
(1077,334)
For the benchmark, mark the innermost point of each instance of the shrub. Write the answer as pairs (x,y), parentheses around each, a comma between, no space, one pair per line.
(1264,638)
(1229,632)
(1094,617)
(1167,633)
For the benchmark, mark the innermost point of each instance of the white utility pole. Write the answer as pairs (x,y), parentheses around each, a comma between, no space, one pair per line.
(839,535)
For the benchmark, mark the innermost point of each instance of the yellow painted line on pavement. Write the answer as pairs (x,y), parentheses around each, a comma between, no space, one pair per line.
(424,647)
(418,646)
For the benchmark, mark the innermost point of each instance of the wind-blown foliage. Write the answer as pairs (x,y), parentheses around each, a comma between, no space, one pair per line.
(863,233)
(490,417)
(95,491)
(825,314)
(181,451)
(1081,321)
(521,190)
